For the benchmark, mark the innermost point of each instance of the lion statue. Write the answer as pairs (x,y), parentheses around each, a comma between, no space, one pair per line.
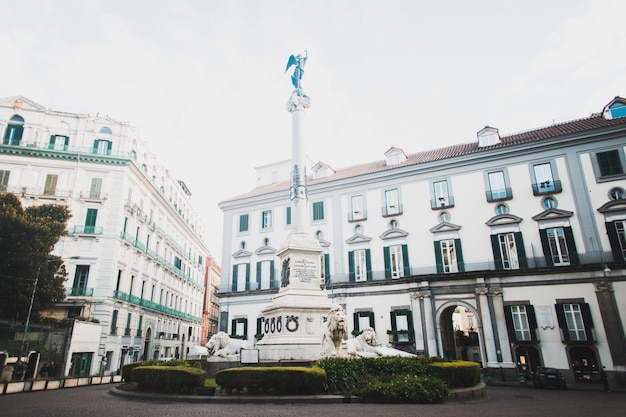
(335,331)
(222,345)
(364,344)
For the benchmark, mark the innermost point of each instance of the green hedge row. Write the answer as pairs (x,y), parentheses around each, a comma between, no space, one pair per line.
(128,368)
(272,380)
(456,374)
(404,389)
(169,379)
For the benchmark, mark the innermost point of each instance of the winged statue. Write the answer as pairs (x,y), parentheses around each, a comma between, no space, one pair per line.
(298,61)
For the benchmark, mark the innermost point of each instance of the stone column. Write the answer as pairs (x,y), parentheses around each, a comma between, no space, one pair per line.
(429,333)
(502,342)
(611,321)
(487,331)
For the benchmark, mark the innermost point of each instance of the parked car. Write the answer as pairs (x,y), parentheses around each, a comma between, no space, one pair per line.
(549,377)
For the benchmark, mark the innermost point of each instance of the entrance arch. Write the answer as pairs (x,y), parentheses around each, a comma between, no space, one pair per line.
(584,363)
(146,344)
(458,332)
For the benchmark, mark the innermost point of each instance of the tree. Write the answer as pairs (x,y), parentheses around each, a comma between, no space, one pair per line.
(27,237)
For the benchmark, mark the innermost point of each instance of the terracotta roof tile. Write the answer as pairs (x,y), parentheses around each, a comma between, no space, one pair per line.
(595,121)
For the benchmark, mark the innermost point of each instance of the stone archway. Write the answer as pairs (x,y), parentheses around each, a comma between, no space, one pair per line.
(584,363)
(459,337)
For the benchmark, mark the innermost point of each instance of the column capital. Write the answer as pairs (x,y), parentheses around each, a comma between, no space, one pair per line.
(298,102)
(602,286)
(482,290)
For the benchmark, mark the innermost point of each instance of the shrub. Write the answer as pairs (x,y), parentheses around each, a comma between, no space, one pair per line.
(344,375)
(272,380)
(128,368)
(169,379)
(404,389)
(457,374)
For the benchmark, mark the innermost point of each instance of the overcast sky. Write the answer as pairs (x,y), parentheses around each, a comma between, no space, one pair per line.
(204,80)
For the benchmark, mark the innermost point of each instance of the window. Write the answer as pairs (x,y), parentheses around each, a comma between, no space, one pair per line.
(318,210)
(325,268)
(113,330)
(392,203)
(360,268)
(102,147)
(243,223)
(548,202)
(288,215)
(396,261)
(139,325)
(4,180)
(128,320)
(402,325)
(544,180)
(502,208)
(266,219)
(448,256)
(80,280)
(240,327)
(14,131)
(357,208)
(497,187)
(95,188)
(90,221)
(610,163)
(617,237)
(442,198)
(558,246)
(363,319)
(265,275)
(50,187)
(617,193)
(521,322)
(58,142)
(575,321)
(508,251)
(241,277)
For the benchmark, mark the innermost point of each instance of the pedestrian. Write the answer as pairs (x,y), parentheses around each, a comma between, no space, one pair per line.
(605,380)
(43,372)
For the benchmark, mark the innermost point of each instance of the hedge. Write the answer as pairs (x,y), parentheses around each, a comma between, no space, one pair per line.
(456,374)
(272,380)
(169,379)
(404,389)
(128,368)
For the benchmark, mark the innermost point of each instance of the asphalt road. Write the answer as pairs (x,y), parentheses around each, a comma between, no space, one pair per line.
(96,400)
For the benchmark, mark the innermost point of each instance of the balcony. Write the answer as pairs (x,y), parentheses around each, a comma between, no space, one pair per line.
(79,292)
(40,193)
(392,210)
(87,230)
(501,194)
(547,187)
(92,197)
(442,203)
(254,286)
(357,216)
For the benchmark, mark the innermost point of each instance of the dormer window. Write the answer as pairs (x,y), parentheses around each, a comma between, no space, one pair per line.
(488,136)
(322,170)
(615,109)
(395,156)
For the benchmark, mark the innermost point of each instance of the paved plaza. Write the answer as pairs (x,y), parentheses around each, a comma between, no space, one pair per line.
(97,401)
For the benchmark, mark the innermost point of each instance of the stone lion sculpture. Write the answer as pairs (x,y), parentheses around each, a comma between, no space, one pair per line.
(222,345)
(364,344)
(335,331)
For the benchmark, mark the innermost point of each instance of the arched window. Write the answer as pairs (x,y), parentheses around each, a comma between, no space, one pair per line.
(106,130)
(15,130)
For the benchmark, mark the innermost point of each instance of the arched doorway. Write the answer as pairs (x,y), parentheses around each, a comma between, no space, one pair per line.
(528,359)
(146,344)
(459,333)
(584,364)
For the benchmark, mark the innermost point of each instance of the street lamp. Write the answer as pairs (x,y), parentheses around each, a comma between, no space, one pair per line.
(30,307)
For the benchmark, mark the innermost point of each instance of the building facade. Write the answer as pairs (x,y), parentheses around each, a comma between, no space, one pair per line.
(134,252)
(211,311)
(509,250)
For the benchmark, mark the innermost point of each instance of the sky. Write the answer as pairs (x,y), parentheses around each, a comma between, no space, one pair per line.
(204,81)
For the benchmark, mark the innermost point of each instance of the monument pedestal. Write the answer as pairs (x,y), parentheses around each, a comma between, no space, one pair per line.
(294,322)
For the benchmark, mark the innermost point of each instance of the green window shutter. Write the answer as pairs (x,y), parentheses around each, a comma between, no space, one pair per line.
(327,268)
(560,316)
(372,319)
(508,318)
(616,247)
(259,325)
(497,254)
(459,255)
(438,258)
(571,245)
(235,271)
(532,322)
(248,276)
(318,210)
(543,236)
(409,320)
(95,146)
(387,258)
(243,223)
(355,319)
(405,260)
(521,252)
(288,215)
(272,272)
(109,147)
(258,275)
(368,264)
(351,266)
(90,219)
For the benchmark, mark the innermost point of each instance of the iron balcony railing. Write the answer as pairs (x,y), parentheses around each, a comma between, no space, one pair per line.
(122,296)
(79,292)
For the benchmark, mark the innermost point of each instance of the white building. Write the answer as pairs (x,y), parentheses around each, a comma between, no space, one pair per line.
(134,251)
(525,232)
